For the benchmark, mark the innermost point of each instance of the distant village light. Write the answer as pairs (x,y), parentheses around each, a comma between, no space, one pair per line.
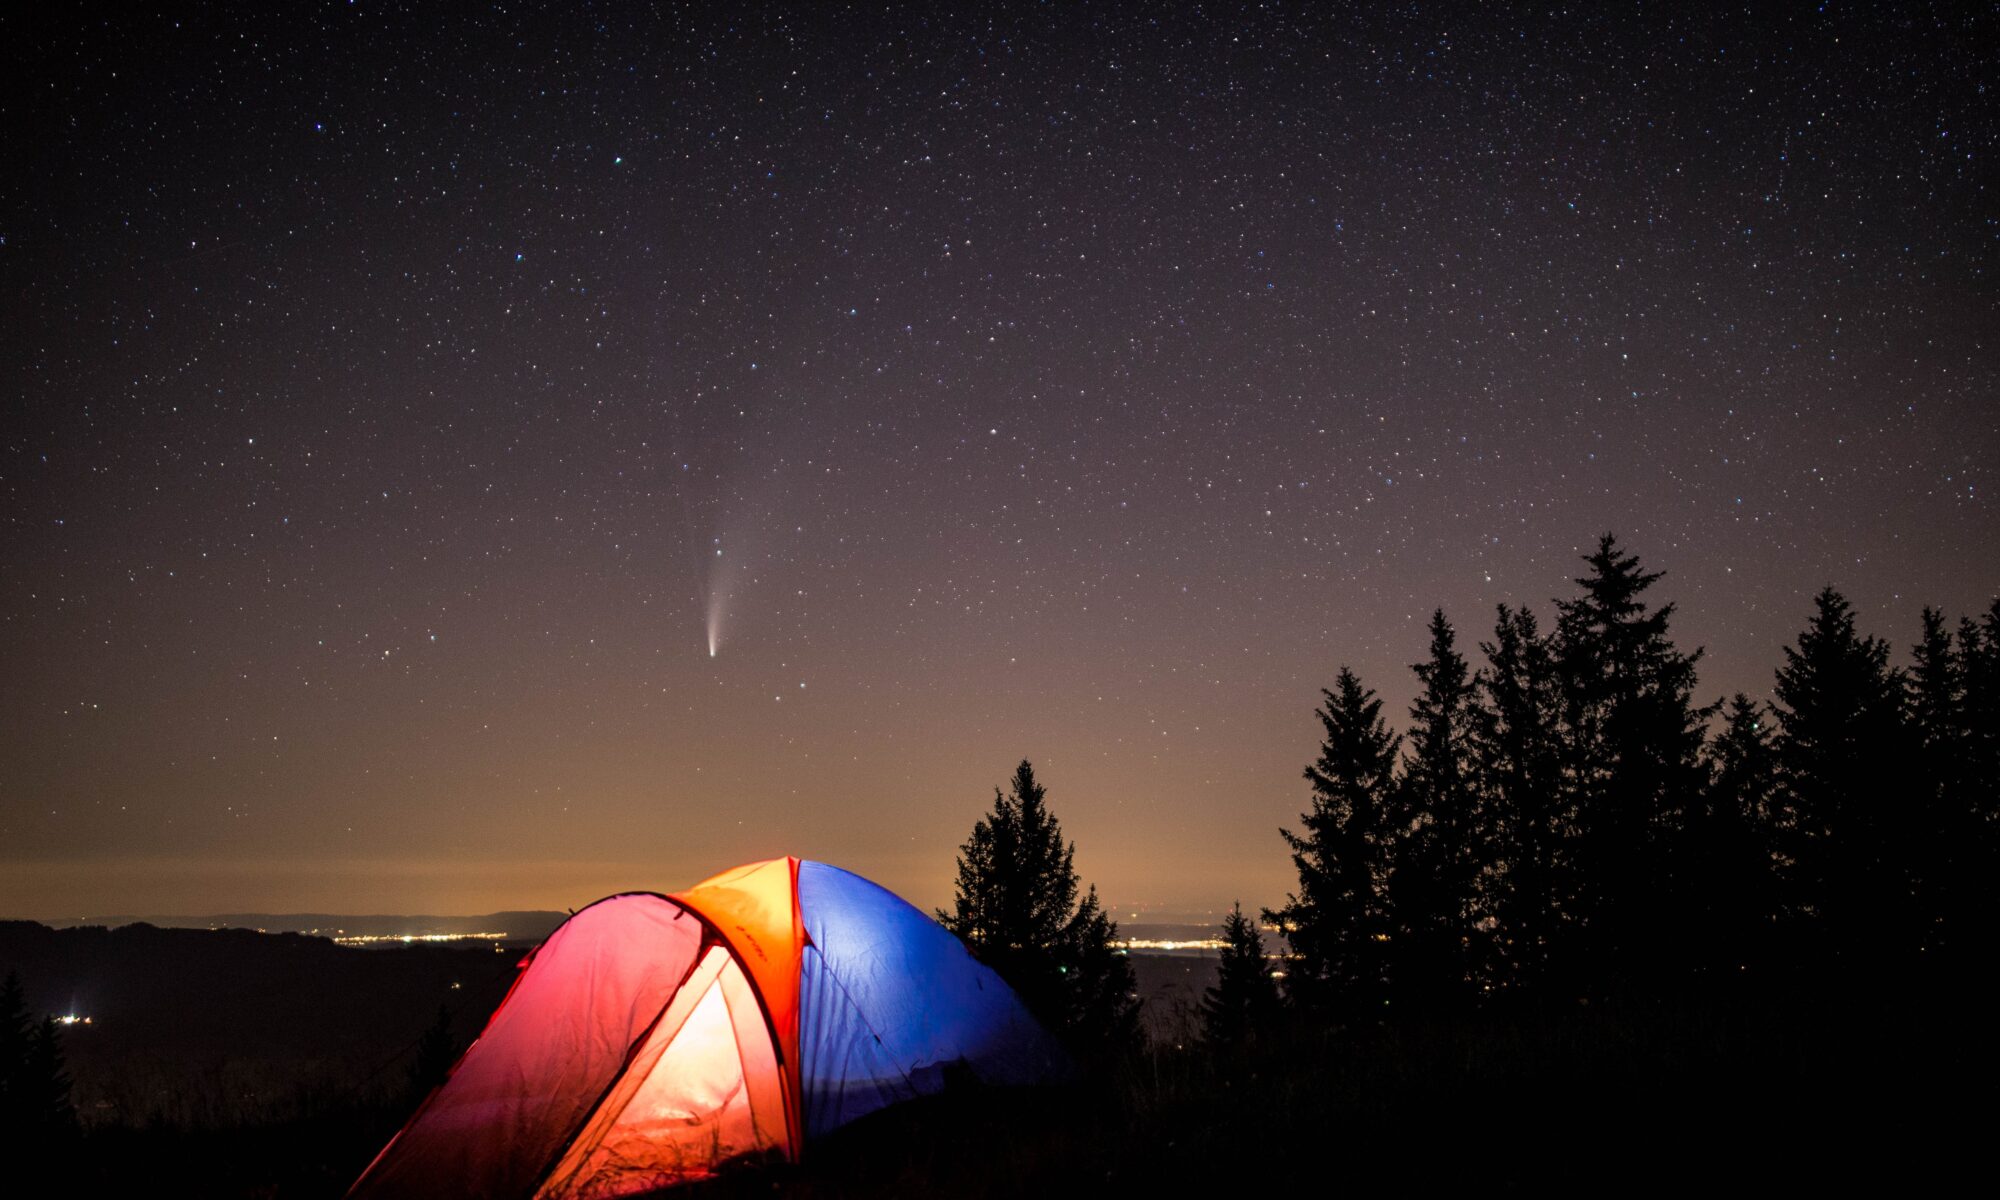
(377,939)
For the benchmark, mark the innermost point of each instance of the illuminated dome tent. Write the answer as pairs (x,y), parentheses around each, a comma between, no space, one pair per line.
(652,1039)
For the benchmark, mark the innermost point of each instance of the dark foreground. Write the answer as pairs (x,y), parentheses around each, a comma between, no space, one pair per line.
(1884,1092)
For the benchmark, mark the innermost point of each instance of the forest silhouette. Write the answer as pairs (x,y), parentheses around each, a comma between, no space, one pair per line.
(1569,821)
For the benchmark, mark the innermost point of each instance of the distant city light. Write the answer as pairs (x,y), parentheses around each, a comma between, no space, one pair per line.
(378,939)
(72,1019)
(1129,944)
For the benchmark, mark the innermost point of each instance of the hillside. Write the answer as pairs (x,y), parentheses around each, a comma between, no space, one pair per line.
(204,1026)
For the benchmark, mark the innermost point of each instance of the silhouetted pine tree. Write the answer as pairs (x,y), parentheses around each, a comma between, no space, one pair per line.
(1244,998)
(1337,922)
(45,1102)
(1436,846)
(1979,659)
(15,1039)
(1525,885)
(1941,789)
(35,1106)
(1632,749)
(436,1051)
(1100,993)
(1978,899)
(1937,693)
(1017,910)
(1843,756)
(1731,914)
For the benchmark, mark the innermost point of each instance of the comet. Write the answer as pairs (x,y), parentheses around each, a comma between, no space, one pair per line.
(721,584)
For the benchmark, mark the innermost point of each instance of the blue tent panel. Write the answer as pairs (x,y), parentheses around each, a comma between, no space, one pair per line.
(889,1000)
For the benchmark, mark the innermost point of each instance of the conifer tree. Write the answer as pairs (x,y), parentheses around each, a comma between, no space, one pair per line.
(1244,998)
(1945,836)
(1338,922)
(1633,741)
(16,1038)
(1100,1005)
(35,1104)
(1979,659)
(1731,915)
(1016,908)
(1842,753)
(436,1051)
(1976,926)
(1437,848)
(1525,888)
(45,1103)
(1937,691)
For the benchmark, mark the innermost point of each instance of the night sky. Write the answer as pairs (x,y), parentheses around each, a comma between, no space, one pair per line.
(491,462)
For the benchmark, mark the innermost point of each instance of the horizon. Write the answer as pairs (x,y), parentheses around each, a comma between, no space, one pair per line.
(1147,918)
(444,888)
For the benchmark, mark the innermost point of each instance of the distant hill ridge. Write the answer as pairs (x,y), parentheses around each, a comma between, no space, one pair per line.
(182,1021)
(518,926)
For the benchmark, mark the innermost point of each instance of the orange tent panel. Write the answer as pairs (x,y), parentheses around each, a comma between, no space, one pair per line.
(756,909)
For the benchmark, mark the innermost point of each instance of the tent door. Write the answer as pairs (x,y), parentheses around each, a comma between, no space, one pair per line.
(702,1090)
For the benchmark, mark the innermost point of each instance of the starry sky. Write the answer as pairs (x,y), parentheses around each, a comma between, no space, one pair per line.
(491,460)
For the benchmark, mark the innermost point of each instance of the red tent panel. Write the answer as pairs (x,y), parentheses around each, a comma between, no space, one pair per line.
(552,1050)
